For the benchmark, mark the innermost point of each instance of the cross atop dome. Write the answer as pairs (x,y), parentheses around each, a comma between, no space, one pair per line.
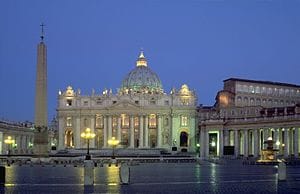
(141,60)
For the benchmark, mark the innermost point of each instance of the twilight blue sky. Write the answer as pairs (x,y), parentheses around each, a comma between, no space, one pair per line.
(95,43)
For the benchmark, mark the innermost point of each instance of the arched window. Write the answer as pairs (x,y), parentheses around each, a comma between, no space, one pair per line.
(258,101)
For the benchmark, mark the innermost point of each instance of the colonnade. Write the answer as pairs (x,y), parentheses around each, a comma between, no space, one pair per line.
(21,145)
(250,142)
(140,132)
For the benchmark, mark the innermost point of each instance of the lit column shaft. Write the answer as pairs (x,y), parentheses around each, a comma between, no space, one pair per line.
(286,143)
(146,131)
(131,132)
(296,146)
(109,126)
(236,143)
(77,133)
(105,132)
(246,142)
(119,129)
(159,131)
(256,142)
(203,145)
(141,142)
(221,142)
(61,134)
(92,141)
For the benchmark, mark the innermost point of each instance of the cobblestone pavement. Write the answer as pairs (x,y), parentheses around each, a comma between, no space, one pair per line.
(154,178)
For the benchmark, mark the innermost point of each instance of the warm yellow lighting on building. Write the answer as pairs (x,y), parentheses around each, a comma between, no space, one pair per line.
(141,60)
(278,143)
(270,138)
(113,142)
(223,100)
(87,134)
(9,140)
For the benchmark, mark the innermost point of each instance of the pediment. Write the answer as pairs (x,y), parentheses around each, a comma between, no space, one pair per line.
(125,104)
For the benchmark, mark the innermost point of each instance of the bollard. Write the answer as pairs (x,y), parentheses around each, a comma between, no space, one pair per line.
(88,172)
(2,175)
(124,174)
(281,171)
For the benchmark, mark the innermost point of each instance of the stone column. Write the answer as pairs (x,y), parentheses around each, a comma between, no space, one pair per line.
(255,142)
(105,129)
(19,144)
(61,134)
(226,137)
(141,142)
(92,142)
(159,132)
(296,143)
(276,138)
(202,143)
(266,135)
(119,129)
(221,143)
(236,143)
(109,127)
(146,131)
(286,142)
(131,131)
(207,143)
(77,134)
(246,143)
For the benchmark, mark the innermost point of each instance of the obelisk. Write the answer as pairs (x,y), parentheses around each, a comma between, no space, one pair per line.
(40,144)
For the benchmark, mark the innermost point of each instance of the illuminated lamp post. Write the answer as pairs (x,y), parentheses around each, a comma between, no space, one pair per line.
(9,141)
(198,149)
(113,142)
(87,134)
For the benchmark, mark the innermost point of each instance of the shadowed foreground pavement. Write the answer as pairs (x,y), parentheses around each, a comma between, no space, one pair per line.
(154,178)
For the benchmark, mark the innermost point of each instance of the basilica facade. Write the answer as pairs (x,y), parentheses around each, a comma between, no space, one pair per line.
(140,114)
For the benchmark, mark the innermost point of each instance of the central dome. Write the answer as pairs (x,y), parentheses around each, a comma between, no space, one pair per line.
(141,79)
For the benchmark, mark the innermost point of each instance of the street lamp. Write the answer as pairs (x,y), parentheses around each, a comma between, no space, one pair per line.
(113,142)
(9,141)
(87,134)
(198,149)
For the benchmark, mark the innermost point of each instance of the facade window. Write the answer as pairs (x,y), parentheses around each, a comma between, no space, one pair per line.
(152,121)
(239,88)
(281,91)
(85,103)
(69,102)
(99,121)
(85,122)
(136,102)
(298,93)
(263,90)
(232,112)
(281,102)
(270,91)
(184,121)
(264,101)
(167,102)
(166,121)
(125,121)
(245,88)
(276,92)
(152,102)
(114,122)
(69,121)
(270,102)
(257,90)
(287,92)
(239,99)
(251,88)
(287,102)
(136,121)
(252,101)
(258,101)
(276,102)
(293,103)
(114,102)
(246,100)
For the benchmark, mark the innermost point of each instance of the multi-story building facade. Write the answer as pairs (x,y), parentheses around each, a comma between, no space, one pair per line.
(139,115)
(246,114)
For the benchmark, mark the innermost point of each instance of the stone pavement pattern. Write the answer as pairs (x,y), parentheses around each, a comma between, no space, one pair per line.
(153,178)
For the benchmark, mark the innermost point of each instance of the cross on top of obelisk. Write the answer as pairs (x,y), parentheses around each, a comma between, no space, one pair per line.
(42,33)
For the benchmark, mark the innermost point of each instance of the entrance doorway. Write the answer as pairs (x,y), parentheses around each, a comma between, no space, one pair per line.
(183,139)
(69,139)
